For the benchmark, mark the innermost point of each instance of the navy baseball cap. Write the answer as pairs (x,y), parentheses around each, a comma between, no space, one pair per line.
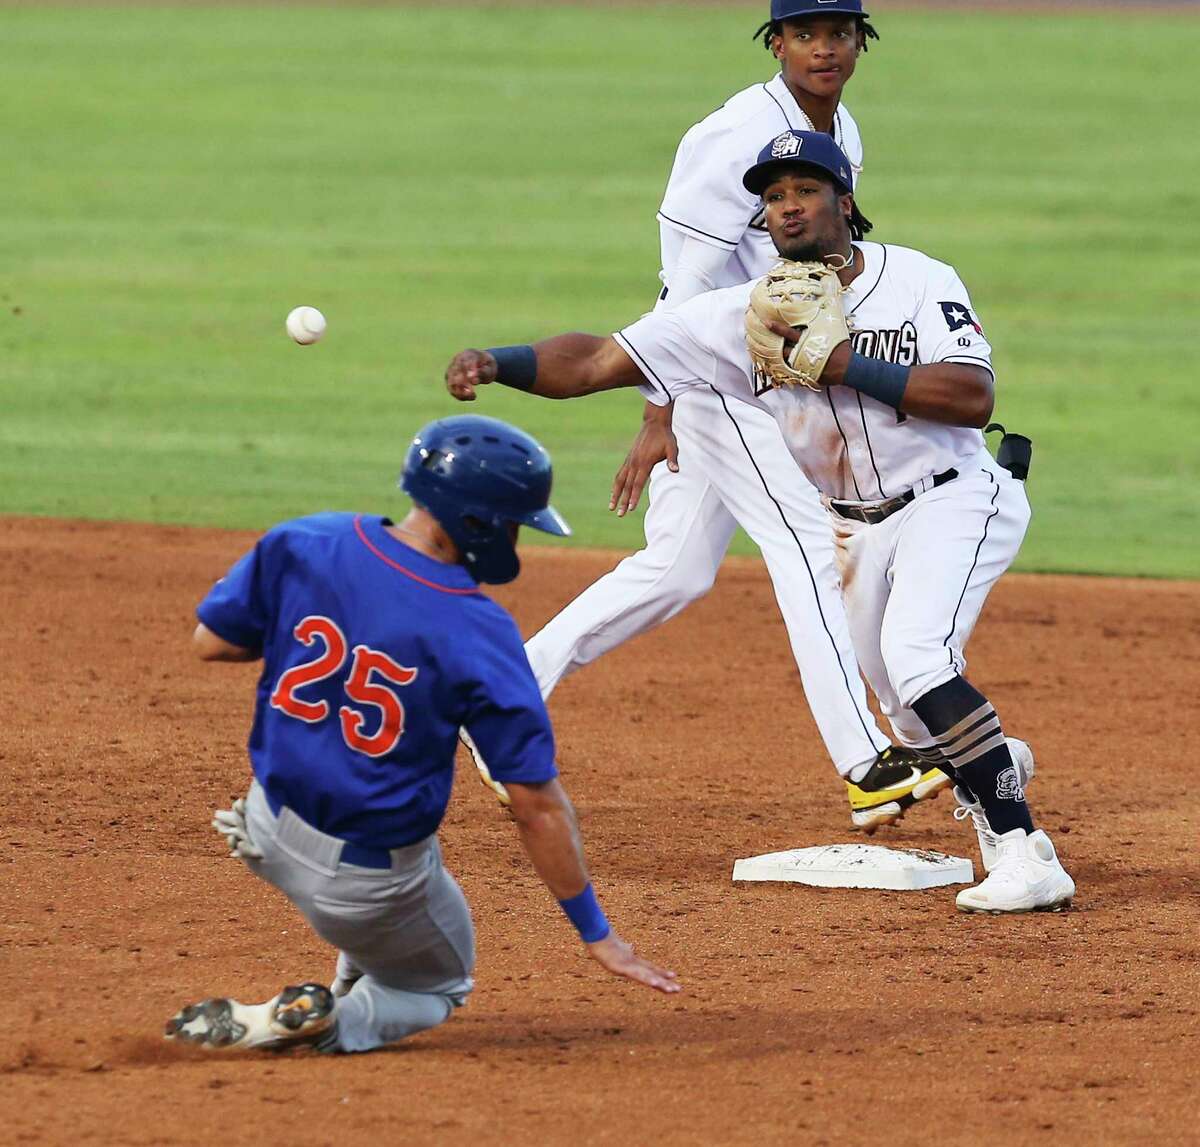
(790,9)
(809,148)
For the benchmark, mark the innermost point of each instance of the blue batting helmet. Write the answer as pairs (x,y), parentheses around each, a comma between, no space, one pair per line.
(477,476)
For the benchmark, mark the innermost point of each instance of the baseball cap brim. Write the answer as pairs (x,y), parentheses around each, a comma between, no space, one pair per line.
(800,10)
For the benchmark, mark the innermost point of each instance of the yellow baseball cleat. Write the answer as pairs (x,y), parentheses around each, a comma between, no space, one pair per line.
(895,782)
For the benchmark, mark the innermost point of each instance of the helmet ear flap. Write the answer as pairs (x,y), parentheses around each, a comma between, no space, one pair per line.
(475,527)
(476,475)
(488,548)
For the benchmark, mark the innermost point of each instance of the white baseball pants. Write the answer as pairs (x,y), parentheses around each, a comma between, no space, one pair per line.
(915,583)
(406,930)
(734,468)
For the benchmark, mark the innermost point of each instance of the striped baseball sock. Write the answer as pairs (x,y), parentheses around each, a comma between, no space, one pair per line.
(968,733)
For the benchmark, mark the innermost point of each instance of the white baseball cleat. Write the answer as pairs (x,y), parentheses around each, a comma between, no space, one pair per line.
(298,1015)
(1025,877)
(1022,756)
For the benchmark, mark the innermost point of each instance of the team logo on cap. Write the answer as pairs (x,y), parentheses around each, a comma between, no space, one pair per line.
(785,146)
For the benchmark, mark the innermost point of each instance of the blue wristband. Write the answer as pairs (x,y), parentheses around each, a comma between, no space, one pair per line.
(516,366)
(883,381)
(585,913)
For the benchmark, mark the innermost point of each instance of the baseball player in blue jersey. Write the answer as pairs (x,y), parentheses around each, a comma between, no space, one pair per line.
(377,646)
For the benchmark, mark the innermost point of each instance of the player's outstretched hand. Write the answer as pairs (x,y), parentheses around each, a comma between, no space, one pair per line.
(467,370)
(655,443)
(618,957)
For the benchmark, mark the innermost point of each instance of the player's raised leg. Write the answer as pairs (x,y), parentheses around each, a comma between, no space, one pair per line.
(735,468)
(407,945)
(688,530)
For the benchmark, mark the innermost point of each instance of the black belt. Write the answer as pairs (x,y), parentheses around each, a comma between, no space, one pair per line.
(876,512)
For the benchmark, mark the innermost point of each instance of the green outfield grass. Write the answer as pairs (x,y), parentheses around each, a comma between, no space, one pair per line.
(176,180)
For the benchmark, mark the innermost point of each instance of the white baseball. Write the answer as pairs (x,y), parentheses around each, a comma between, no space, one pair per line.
(306,325)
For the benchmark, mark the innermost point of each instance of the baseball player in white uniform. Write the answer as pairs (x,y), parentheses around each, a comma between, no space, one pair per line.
(925,520)
(733,466)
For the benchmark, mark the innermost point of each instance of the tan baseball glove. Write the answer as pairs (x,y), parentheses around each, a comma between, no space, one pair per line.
(807,297)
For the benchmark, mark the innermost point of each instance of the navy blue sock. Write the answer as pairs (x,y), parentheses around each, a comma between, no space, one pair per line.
(968,732)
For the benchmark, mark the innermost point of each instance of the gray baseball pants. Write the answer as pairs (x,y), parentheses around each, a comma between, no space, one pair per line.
(407,930)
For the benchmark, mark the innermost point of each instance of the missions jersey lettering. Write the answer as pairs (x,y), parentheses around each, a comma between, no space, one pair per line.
(850,446)
(898,345)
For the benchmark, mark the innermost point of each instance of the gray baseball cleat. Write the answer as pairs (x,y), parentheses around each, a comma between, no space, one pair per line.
(298,1016)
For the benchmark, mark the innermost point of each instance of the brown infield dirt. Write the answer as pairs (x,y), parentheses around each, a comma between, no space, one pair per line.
(809,1016)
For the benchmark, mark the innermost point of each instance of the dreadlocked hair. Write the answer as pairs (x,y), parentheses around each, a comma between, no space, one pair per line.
(774,28)
(859,223)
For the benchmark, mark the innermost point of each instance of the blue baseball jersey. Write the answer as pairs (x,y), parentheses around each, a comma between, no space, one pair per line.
(374,656)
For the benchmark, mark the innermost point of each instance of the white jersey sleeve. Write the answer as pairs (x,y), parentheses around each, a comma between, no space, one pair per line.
(665,350)
(702,343)
(947,327)
(705,197)
(696,271)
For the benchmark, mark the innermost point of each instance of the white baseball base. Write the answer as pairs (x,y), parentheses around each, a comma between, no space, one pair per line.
(858,866)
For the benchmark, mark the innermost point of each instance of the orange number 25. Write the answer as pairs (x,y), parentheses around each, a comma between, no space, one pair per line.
(358,686)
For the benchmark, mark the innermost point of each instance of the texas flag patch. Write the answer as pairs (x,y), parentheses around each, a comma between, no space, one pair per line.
(958,316)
